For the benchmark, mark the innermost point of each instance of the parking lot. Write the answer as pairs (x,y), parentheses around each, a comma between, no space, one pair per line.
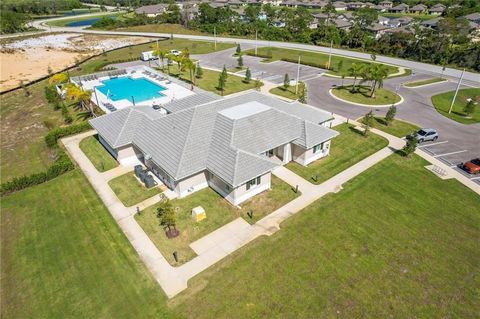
(451,154)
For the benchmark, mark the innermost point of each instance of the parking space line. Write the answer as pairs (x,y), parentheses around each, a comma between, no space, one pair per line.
(443,142)
(475,178)
(451,153)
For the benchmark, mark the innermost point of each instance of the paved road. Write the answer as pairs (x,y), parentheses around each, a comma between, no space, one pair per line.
(473,78)
(461,142)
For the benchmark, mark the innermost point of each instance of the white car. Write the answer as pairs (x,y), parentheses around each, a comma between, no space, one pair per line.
(175,52)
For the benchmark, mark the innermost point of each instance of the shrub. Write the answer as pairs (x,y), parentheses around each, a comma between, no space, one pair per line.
(52,137)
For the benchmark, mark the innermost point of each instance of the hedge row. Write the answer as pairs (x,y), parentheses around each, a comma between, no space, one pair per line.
(52,137)
(61,165)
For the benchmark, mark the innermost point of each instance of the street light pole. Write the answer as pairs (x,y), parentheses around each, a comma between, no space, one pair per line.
(215,36)
(298,76)
(456,91)
(330,54)
(256,39)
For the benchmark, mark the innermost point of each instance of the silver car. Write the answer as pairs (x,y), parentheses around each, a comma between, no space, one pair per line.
(426,134)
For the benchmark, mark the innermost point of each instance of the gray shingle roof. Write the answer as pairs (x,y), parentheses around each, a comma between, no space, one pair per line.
(190,101)
(203,136)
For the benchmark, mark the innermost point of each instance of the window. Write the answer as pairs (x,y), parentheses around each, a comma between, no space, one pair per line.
(253,182)
(318,147)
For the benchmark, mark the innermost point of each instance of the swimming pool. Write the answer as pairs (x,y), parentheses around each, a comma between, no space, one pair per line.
(125,88)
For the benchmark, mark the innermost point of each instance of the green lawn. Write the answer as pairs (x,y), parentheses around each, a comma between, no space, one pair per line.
(289,93)
(362,95)
(209,81)
(423,82)
(131,190)
(311,58)
(347,149)
(442,104)
(387,246)
(97,154)
(63,256)
(397,128)
(219,212)
(63,23)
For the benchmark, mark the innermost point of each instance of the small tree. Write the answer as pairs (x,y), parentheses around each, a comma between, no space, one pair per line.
(224,73)
(258,84)
(286,81)
(411,145)
(221,82)
(166,216)
(367,122)
(248,76)
(199,72)
(239,50)
(240,61)
(340,66)
(469,108)
(392,111)
(302,98)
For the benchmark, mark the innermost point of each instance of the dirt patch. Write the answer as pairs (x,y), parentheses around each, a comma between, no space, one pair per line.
(31,58)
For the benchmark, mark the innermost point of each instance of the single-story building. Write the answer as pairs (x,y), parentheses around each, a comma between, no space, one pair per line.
(230,144)
(418,9)
(401,8)
(437,9)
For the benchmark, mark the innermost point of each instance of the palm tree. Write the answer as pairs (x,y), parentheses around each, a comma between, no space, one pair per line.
(377,73)
(83,98)
(355,70)
(170,58)
(161,54)
(191,66)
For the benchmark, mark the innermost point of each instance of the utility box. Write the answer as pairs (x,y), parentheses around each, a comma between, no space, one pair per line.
(138,170)
(198,213)
(149,181)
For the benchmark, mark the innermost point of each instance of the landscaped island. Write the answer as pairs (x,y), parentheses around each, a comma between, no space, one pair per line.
(363,95)
(460,111)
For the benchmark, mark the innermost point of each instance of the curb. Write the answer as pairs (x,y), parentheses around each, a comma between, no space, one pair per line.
(365,105)
(421,86)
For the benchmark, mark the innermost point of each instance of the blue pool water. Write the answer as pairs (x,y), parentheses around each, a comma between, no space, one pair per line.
(125,88)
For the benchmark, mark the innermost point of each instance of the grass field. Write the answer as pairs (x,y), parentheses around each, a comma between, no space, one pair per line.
(442,104)
(387,246)
(130,190)
(209,81)
(348,148)
(219,212)
(63,256)
(24,119)
(423,82)
(312,58)
(24,124)
(289,93)
(97,154)
(397,128)
(362,96)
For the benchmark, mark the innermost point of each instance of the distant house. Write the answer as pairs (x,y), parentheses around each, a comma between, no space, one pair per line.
(153,10)
(473,17)
(402,21)
(401,8)
(341,24)
(379,8)
(383,20)
(340,5)
(418,9)
(355,5)
(320,17)
(347,16)
(386,4)
(437,9)
(432,23)
(377,29)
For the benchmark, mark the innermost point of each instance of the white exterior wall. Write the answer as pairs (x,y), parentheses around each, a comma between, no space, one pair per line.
(107,146)
(238,195)
(241,193)
(191,184)
(126,155)
(305,157)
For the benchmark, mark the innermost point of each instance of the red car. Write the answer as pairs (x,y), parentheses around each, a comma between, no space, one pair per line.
(473,166)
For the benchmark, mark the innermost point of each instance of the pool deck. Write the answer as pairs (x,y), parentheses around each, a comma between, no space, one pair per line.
(173,89)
